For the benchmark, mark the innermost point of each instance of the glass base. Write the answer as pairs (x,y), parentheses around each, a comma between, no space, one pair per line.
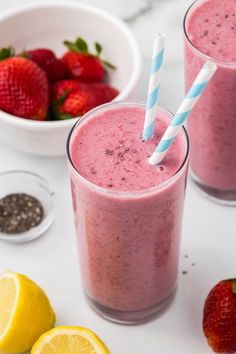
(217,195)
(131,317)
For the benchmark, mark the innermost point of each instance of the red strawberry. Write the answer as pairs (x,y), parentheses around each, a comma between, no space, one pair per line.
(81,64)
(24,88)
(103,93)
(47,60)
(77,103)
(219,317)
(59,88)
(71,99)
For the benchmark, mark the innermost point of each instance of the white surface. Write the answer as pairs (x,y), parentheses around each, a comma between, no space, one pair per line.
(209,232)
(60,22)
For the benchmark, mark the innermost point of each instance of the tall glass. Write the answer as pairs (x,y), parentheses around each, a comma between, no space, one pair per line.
(128,242)
(212,123)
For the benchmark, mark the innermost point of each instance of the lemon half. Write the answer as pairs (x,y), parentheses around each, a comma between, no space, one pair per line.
(70,340)
(25,313)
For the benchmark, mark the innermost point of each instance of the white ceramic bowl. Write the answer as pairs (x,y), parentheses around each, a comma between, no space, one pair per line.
(47,25)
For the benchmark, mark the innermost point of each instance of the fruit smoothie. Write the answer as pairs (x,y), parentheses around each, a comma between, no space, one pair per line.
(128,214)
(210,33)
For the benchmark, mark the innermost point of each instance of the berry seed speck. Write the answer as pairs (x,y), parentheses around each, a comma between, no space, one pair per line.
(19,212)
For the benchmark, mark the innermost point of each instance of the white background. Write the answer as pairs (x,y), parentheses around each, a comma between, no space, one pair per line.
(209,230)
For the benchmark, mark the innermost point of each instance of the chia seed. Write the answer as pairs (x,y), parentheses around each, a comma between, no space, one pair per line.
(108,152)
(93,171)
(19,213)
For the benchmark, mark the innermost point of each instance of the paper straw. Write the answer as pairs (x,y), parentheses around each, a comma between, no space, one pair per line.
(183,112)
(154,86)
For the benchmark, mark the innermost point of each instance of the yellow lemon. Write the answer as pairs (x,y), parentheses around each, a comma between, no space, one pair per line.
(25,313)
(69,340)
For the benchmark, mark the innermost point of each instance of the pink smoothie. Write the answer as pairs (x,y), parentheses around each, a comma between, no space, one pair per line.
(128,216)
(211,31)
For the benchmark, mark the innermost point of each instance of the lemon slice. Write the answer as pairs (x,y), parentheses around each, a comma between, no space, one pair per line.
(69,340)
(25,313)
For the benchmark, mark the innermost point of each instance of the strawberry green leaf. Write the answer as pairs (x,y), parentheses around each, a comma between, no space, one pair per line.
(81,45)
(57,104)
(109,65)
(64,116)
(233,282)
(6,53)
(234,286)
(71,46)
(98,48)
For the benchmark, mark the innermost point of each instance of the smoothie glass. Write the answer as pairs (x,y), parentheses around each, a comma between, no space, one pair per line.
(212,123)
(128,242)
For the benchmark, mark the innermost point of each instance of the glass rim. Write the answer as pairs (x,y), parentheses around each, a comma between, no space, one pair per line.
(115,191)
(205,56)
(30,174)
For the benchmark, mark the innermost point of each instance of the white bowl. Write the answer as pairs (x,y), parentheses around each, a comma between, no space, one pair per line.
(47,25)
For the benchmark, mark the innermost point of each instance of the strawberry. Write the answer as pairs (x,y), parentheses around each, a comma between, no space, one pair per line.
(47,60)
(70,99)
(103,93)
(219,317)
(82,65)
(76,104)
(24,88)
(59,88)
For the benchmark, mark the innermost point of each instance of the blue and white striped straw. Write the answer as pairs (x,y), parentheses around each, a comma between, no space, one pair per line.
(154,86)
(183,112)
